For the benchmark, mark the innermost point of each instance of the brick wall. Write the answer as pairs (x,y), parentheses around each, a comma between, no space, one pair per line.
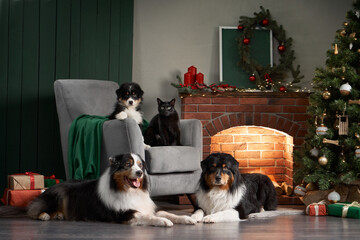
(285,112)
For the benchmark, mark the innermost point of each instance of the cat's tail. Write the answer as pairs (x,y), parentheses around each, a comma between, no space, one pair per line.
(11,211)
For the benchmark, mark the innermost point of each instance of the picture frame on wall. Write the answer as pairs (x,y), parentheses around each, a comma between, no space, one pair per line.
(261,50)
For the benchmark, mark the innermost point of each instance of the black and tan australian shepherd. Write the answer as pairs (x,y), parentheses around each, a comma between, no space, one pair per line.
(225,195)
(120,195)
(129,99)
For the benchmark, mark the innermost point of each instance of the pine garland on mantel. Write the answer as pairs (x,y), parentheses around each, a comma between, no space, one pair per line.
(267,76)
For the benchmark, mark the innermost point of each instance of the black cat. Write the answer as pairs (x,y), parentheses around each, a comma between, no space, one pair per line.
(164,128)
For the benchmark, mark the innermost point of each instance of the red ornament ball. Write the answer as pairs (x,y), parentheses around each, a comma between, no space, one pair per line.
(246,41)
(281,48)
(252,78)
(282,89)
(240,27)
(265,22)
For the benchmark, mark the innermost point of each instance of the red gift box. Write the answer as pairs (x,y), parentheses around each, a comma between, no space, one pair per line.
(20,198)
(316,209)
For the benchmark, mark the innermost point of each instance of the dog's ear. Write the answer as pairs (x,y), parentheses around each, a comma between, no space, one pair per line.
(234,165)
(118,92)
(172,102)
(203,165)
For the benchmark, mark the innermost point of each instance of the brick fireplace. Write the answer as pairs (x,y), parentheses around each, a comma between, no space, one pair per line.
(260,129)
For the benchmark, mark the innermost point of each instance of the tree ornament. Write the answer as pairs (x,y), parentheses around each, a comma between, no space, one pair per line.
(246,41)
(282,89)
(326,94)
(322,130)
(265,22)
(335,142)
(345,24)
(343,125)
(351,46)
(323,160)
(336,51)
(281,48)
(343,33)
(240,27)
(334,197)
(345,89)
(310,187)
(354,101)
(353,35)
(252,78)
(300,190)
(314,152)
(357,151)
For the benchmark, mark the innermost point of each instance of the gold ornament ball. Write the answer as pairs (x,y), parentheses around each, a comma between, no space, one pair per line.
(326,94)
(323,160)
(310,187)
(345,24)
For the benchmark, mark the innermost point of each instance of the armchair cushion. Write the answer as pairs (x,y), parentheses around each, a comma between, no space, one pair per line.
(171,159)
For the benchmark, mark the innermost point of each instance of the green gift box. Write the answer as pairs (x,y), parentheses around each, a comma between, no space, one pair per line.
(345,209)
(52,180)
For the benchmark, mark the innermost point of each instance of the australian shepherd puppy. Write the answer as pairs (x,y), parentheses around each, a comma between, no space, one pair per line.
(129,99)
(224,195)
(120,195)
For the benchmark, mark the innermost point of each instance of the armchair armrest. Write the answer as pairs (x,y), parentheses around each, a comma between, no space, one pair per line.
(120,136)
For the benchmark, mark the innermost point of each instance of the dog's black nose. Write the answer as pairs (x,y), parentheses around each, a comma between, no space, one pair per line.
(218,178)
(139,173)
(131,102)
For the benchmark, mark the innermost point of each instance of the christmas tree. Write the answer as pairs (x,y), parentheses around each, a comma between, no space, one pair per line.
(330,154)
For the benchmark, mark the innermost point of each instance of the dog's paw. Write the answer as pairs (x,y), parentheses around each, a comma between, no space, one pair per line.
(121,115)
(59,216)
(187,220)
(198,216)
(163,222)
(209,219)
(44,216)
(146,146)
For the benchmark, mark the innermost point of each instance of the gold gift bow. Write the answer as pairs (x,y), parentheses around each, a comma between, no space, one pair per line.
(316,207)
(346,207)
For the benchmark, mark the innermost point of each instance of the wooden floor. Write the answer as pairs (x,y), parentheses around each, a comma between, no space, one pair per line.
(282,227)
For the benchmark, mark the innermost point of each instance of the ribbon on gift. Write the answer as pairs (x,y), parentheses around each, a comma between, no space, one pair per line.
(57,181)
(316,207)
(346,206)
(32,178)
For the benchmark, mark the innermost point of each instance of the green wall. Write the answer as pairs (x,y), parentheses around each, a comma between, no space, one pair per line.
(45,40)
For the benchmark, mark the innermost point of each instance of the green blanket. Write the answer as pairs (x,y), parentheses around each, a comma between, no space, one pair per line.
(85,136)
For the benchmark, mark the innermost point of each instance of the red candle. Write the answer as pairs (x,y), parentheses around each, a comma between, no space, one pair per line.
(200,78)
(192,71)
(187,78)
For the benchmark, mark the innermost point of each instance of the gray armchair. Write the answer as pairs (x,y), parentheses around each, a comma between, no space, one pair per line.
(171,170)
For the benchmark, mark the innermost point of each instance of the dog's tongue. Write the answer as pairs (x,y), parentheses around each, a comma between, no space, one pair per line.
(135,182)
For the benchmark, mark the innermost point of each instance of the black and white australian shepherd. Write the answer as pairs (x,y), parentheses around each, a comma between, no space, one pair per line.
(225,195)
(120,195)
(129,99)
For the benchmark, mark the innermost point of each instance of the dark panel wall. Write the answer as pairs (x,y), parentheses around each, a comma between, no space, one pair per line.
(45,40)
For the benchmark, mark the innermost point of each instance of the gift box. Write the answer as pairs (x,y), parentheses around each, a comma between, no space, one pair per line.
(25,181)
(316,209)
(346,209)
(51,180)
(20,198)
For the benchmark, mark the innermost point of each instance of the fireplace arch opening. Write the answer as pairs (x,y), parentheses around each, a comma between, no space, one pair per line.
(258,149)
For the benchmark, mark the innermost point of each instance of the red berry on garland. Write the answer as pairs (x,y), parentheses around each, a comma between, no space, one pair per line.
(246,41)
(281,48)
(252,78)
(265,22)
(282,89)
(240,27)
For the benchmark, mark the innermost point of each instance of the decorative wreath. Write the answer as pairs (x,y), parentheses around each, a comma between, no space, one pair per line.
(266,76)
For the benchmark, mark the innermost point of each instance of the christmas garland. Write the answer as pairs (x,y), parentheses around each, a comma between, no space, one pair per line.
(267,77)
